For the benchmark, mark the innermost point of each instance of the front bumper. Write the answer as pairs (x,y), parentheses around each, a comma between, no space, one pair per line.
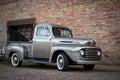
(88,62)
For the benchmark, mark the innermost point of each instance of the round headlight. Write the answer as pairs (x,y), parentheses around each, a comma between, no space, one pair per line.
(82,52)
(99,53)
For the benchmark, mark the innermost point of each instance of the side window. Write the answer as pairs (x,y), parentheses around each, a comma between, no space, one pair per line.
(42,32)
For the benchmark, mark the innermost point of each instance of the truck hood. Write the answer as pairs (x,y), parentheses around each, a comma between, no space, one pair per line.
(73,41)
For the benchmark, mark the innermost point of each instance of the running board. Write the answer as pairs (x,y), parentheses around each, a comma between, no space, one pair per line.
(37,61)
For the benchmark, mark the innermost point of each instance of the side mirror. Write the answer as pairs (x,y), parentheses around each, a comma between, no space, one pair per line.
(30,41)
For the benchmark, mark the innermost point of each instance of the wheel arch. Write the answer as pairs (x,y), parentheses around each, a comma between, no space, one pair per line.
(56,53)
(11,53)
(15,49)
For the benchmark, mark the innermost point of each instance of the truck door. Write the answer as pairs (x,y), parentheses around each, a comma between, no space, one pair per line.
(41,43)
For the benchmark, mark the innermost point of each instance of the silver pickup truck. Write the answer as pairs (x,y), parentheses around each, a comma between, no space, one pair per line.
(53,44)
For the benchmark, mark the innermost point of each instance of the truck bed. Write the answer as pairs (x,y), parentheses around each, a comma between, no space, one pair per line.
(22,43)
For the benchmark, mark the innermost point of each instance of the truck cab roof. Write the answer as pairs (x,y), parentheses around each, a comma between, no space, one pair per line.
(51,25)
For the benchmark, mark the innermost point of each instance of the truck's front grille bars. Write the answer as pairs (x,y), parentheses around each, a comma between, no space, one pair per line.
(91,54)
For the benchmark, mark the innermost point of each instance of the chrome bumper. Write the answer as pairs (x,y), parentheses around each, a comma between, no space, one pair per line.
(88,62)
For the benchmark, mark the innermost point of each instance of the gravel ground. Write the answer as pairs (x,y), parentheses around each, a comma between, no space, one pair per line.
(49,72)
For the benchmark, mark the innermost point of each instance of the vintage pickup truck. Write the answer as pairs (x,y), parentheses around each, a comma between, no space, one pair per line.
(52,44)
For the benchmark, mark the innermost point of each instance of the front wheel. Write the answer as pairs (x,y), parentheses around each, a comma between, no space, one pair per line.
(62,62)
(15,60)
(89,66)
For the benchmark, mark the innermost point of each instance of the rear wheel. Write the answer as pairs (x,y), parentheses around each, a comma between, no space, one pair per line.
(62,62)
(89,66)
(15,60)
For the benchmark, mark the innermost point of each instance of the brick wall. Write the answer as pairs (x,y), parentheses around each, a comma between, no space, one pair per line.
(96,19)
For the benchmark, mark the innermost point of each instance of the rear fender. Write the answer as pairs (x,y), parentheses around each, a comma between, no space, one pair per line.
(16,49)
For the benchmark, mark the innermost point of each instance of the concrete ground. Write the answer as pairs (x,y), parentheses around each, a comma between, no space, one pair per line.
(49,72)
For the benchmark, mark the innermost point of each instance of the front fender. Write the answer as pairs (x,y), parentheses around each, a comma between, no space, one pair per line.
(66,49)
(17,49)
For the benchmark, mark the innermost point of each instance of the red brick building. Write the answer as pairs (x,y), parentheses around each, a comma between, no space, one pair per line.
(96,19)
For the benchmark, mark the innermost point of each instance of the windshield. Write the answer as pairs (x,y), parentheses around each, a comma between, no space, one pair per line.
(61,32)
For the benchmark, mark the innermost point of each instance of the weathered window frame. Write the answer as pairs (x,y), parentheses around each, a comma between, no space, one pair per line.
(17,26)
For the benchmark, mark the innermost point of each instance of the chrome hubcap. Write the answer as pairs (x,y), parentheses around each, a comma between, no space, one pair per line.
(15,59)
(60,62)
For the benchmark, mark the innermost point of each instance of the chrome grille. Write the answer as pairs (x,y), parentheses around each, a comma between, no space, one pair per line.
(91,54)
